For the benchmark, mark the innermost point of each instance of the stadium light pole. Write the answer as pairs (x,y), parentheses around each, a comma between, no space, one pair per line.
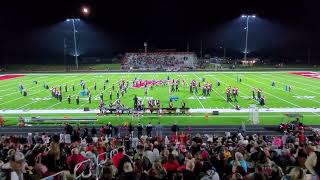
(75,40)
(247,33)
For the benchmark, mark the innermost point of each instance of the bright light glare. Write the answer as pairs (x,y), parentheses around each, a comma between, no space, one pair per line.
(85,10)
(243,16)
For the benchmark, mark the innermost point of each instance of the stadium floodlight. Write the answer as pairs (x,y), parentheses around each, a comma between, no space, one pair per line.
(85,10)
(247,32)
(75,40)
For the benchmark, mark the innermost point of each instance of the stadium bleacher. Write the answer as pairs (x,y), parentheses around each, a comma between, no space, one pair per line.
(159,60)
(182,152)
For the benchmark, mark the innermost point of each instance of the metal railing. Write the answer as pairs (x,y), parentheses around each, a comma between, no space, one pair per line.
(58,174)
(78,166)
(99,165)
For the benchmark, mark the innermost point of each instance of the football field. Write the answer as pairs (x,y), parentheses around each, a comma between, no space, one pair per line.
(304,94)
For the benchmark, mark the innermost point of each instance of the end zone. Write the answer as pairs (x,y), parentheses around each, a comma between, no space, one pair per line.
(10,76)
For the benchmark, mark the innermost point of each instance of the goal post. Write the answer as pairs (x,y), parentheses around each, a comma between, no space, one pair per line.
(253,114)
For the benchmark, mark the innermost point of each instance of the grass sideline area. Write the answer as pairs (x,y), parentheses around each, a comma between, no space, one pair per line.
(304,94)
(194,119)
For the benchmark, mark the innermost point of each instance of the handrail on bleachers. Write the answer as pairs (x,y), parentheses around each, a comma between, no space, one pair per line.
(61,173)
(77,166)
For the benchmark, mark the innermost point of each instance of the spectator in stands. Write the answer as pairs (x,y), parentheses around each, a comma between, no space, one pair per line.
(93,131)
(15,168)
(117,157)
(128,172)
(313,161)
(74,159)
(172,165)
(296,173)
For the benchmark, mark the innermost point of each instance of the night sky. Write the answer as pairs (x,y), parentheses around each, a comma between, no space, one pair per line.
(34,31)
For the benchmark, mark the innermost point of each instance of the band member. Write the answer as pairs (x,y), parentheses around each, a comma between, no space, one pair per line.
(24,92)
(77,100)
(60,88)
(95,86)
(177,86)
(135,101)
(259,91)
(228,93)
(89,98)
(72,87)
(273,84)
(60,97)
(218,83)
(254,93)
(262,101)
(110,95)
(66,87)
(117,94)
(170,105)
(69,99)
(145,91)
(235,94)
(183,104)
(113,87)
(101,96)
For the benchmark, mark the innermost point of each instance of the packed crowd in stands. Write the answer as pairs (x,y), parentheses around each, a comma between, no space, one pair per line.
(160,60)
(179,156)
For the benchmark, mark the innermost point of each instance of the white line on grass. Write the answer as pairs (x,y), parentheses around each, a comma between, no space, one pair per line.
(313,86)
(38,101)
(65,99)
(276,97)
(27,96)
(281,90)
(196,94)
(18,92)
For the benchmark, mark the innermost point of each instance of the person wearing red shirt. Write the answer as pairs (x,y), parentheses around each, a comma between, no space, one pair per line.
(301,137)
(74,159)
(172,165)
(116,158)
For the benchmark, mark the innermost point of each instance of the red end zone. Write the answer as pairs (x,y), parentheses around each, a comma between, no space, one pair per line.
(309,74)
(10,76)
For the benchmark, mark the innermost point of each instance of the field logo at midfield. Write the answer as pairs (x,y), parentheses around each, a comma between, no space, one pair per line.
(149,82)
(308,74)
(199,97)
(304,97)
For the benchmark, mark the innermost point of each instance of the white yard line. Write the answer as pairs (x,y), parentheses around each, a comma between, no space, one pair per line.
(54,104)
(28,89)
(311,86)
(276,97)
(196,94)
(28,95)
(66,98)
(279,89)
(14,81)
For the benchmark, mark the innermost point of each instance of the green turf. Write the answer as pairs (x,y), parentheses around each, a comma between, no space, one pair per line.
(276,97)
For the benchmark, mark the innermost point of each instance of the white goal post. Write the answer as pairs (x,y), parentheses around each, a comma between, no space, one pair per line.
(253,114)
